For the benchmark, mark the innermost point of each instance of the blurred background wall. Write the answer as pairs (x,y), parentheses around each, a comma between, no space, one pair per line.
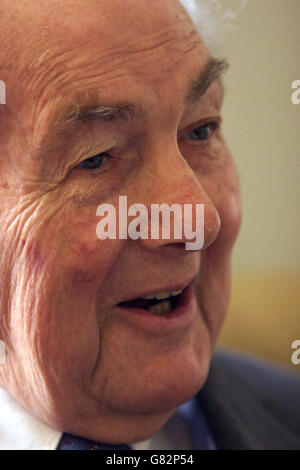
(262,128)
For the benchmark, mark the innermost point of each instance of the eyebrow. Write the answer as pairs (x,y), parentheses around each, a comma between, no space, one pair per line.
(84,114)
(212,72)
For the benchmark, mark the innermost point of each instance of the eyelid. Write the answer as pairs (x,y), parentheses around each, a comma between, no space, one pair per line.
(215,121)
(91,153)
(106,157)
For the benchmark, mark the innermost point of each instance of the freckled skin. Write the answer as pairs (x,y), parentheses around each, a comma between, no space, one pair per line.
(72,360)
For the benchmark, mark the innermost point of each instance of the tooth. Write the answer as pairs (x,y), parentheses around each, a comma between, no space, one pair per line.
(176,292)
(161,308)
(162,295)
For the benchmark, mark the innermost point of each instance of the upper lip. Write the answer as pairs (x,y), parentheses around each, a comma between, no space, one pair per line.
(169,288)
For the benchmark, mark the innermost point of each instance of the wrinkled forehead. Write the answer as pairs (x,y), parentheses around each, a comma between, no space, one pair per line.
(48,45)
(108,46)
(33,33)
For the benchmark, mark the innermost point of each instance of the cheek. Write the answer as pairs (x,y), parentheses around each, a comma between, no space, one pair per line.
(229,208)
(215,273)
(224,191)
(60,272)
(85,259)
(67,246)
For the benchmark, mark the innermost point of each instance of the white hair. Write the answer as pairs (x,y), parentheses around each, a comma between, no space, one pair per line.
(212,19)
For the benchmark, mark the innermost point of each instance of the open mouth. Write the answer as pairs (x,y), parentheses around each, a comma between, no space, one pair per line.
(159,304)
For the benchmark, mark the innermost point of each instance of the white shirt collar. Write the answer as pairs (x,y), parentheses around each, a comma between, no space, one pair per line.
(20,430)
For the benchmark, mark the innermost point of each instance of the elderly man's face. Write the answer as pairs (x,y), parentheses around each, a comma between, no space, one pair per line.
(75,357)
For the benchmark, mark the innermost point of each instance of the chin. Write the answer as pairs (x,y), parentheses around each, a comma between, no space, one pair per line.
(166,392)
(180,386)
(139,407)
(172,381)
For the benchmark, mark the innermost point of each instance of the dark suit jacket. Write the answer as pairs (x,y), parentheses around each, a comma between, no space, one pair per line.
(250,404)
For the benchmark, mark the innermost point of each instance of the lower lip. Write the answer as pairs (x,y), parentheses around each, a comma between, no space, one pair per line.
(182,316)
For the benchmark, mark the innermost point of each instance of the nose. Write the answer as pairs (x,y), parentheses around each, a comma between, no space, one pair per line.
(175,188)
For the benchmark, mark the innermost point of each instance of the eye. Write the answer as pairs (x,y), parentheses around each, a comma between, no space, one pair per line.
(93,163)
(203,132)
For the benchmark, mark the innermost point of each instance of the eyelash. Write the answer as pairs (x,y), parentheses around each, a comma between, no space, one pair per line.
(91,160)
(213,125)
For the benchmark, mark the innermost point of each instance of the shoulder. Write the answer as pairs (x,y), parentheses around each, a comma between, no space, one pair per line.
(263,378)
(252,403)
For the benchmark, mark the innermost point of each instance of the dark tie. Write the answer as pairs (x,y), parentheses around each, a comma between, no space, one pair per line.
(69,442)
